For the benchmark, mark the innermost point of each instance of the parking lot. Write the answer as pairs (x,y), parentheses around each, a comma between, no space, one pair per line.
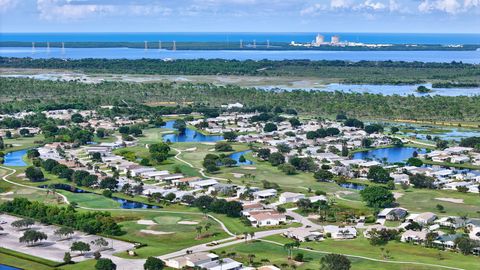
(54,248)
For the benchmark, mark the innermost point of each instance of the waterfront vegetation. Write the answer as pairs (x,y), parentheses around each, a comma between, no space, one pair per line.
(364,72)
(20,94)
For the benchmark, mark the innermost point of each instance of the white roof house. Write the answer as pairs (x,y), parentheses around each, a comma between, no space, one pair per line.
(414,236)
(267,219)
(337,232)
(264,194)
(203,183)
(303,234)
(317,198)
(288,197)
(222,264)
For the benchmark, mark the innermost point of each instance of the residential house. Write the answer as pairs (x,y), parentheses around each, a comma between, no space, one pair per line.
(337,232)
(290,197)
(191,260)
(303,235)
(267,219)
(397,213)
(416,237)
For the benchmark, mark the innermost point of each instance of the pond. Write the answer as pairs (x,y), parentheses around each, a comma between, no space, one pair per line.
(381,89)
(236,156)
(15,158)
(6,267)
(124,203)
(353,186)
(391,155)
(189,135)
(455,134)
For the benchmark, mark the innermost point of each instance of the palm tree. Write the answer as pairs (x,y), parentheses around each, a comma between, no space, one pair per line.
(199,230)
(245,234)
(289,247)
(250,258)
(207,226)
(252,235)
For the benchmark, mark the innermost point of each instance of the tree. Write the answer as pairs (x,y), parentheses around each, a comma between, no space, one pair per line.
(465,245)
(263,153)
(352,122)
(101,133)
(223,147)
(67,258)
(230,136)
(269,127)
(153,263)
(99,242)
(295,122)
(109,183)
(413,161)
(23,223)
(323,175)
(80,246)
(394,130)
(229,162)
(283,148)
(170,197)
(180,125)
(288,169)
(335,262)
(422,181)
(96,157)
(276,159)
(441,144)
(2,143)
(76,118)
(64,232)
(34,174)
(242,159)
(377,197)
(33,153)
(105,264)
(378,174)
(374,128)
(31,237)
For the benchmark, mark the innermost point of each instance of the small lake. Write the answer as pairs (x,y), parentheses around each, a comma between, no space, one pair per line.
(189,135)
(236,156)
(124,203)
(353,186)
(472,57)
(392,154)
(455,134)
(380,89)
(6,267)
(15,158)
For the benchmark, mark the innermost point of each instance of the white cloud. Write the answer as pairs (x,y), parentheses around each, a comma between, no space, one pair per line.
(78,9)
(448,6)
(6,5)
(313,9)
(369,4)
(340,4)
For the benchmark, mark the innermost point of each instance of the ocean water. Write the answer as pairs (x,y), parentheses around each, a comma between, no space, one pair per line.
(390,38)
(472,57)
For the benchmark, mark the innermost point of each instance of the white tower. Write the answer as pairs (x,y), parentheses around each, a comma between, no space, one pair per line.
(146,45)
(63,47)
(33,46)
(159,44)
(254,44)
(268,44)
(174,48)
(241,44)
(48,46)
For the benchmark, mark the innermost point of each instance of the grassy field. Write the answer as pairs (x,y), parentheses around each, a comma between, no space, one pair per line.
(424,200)
(397,252)
(22,143)
(268,254)
(176,236)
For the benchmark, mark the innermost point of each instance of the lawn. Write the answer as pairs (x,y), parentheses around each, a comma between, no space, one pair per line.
(423,200)
(398,251)
(268,254)
(176,236)
(22,143)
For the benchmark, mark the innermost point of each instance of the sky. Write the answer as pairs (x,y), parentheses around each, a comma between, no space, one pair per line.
(389,16)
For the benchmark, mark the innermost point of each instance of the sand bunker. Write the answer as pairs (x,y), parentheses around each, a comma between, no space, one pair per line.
(397,195)
(452,200)
(191,149)
(208,143)
(146,222)
(249,168)
(238,175)
(155,232)
(188,222)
